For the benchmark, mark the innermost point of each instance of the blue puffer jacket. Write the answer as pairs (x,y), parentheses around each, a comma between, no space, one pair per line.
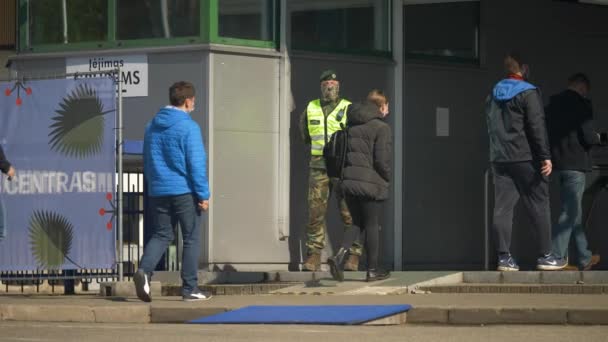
(175,162)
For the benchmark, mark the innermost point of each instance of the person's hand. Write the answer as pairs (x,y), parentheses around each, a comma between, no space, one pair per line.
(11,172)
(203,205)
(546,167)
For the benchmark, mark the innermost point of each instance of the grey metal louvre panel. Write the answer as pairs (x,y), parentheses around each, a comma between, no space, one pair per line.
(245,160)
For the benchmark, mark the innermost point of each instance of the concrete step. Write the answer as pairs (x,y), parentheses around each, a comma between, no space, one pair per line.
(224,277)
(537,277)
(127,289)
(229,289)
(518,288)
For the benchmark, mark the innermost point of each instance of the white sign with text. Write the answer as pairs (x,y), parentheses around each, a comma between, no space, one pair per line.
(133,69)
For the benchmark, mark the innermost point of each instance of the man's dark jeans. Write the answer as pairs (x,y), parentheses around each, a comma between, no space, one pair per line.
(569,224)
(513,181)
(183,209)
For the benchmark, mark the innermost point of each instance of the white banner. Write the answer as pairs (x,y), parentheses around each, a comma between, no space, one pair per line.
(134,70)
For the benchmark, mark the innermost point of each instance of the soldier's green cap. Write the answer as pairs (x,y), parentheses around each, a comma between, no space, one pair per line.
(328,75)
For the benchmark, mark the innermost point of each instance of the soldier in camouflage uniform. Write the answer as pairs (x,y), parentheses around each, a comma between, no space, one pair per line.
(319,121)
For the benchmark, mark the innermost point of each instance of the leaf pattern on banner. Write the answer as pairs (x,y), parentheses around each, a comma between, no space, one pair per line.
(79,124)
(51,237)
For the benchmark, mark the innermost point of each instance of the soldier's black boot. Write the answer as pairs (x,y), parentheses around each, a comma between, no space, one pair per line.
(336,264)
(374,274)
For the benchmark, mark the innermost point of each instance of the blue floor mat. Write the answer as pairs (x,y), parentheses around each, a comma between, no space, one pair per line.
(318,314)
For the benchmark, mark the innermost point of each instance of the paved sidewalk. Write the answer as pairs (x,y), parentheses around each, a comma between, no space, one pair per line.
(428,308)
(401,288)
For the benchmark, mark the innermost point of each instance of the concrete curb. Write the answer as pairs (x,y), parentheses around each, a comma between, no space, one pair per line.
(475,316)
(536,277)
(143,313)
(75,313)
(181,315)
(518,288)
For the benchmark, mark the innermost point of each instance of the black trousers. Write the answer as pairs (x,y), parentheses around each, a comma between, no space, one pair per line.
(513,181)
(365,214)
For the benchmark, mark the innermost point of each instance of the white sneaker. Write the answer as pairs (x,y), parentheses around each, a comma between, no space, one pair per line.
(142,286)
(197,295)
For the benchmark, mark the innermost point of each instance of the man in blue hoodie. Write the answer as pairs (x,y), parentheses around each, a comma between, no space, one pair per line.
(175,166)
(521,163)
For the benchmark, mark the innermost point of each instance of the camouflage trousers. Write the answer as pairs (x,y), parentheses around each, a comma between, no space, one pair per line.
(320,188)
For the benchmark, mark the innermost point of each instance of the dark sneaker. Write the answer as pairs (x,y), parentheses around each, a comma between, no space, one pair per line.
(549,262)
(507,263)
(142,286)
(377,274)
(197,295)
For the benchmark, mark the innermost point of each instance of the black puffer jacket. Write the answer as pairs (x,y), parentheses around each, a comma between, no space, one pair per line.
(368,161)
(571,134)
(516,123)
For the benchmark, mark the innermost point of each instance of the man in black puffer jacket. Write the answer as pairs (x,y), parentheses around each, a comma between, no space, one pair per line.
(571,136)
(366,179)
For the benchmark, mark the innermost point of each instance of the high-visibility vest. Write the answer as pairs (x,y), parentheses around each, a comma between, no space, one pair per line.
(321,128)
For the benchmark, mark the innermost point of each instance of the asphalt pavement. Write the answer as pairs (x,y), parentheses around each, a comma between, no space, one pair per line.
(62,332)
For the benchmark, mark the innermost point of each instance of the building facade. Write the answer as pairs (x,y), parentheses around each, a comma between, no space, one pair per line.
(255,65)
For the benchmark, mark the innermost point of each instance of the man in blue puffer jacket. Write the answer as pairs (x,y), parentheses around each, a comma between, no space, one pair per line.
(175,166)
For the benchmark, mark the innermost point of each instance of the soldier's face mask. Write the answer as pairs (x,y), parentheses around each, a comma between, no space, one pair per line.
(330,90)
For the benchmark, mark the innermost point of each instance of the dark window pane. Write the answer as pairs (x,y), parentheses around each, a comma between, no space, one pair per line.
(332,25)
(445,30)
(246,19)
(139,19)
(84,21)
(8,14)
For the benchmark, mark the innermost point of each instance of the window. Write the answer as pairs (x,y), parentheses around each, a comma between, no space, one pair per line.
(68,25)
(247,19)
(157,19)
(334,25)
(442,31)
(8,11)
(67,21)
